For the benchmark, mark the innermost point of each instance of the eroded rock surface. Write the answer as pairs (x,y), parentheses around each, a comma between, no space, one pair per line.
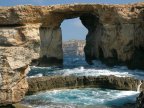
(18,47)
(115,31)
(59,82)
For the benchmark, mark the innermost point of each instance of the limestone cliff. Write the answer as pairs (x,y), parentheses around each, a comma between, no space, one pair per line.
(18,47)
(115,31)
(73,48)
(116,35)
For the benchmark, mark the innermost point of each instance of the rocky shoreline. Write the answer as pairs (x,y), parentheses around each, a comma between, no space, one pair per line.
(71,82)
(62,82)
(39,84)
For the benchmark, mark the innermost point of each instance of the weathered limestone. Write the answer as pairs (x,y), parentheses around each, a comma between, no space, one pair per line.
(119,42)
(18,47)
(59,82)
(115,31)
(116,35)
(51,47)
(13,70)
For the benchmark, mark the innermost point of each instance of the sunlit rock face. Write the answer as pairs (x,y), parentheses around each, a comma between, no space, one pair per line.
(115,36)
(19,45)
(115,31)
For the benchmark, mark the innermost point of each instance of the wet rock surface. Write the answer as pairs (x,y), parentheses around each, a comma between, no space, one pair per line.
(59,82)
(140,100)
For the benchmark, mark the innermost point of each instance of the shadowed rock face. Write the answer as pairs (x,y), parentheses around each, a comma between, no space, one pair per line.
(28,33)
(140,100)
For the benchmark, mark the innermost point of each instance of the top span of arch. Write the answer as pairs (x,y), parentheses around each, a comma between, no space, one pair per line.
(55,14)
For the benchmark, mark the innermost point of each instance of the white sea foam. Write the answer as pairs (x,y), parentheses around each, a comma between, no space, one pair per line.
(82,71)
(37,75)
(139,86)
(78,67)
(86,97)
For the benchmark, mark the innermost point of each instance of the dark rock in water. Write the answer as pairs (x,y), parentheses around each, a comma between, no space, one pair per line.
(14,106)
(7,106)
(51,61)
(140,100)
(59,82)
(128,105)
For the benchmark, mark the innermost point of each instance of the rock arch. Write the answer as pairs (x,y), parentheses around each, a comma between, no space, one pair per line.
(51,37)
(119,27)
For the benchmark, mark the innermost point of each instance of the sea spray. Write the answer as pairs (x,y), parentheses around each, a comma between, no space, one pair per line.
(81,68)
(138,88)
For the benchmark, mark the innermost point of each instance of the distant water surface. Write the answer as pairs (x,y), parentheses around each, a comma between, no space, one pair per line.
(78,67)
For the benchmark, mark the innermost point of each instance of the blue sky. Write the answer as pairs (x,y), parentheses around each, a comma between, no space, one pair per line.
(50,2)
(71,29)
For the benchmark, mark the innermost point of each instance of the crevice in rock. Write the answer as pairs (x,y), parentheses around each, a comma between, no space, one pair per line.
(101,54)
(137,58)
(11,25)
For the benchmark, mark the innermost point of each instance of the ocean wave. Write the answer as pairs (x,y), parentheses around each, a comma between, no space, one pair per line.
(80,97)
(81,68)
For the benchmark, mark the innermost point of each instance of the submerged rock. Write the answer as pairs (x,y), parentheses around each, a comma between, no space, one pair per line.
(59,82)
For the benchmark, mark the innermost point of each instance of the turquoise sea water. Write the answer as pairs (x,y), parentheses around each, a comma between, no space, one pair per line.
(81,97)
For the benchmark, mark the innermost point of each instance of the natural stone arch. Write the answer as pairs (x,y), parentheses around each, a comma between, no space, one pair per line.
(51,37)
